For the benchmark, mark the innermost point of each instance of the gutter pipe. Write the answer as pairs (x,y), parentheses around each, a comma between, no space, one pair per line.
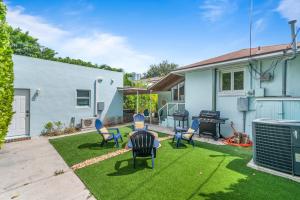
(285,62)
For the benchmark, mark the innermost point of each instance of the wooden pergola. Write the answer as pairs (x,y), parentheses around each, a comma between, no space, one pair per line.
(164,84)
(137,92)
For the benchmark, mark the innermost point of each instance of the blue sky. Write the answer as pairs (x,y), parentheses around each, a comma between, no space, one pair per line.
(133,34)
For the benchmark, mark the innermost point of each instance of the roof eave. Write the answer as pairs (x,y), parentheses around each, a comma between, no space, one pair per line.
(234,61)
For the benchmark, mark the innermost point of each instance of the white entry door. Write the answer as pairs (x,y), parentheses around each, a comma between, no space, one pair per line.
(20,122)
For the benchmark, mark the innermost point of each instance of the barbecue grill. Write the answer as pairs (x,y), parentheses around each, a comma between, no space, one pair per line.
(210,123)
(181,116)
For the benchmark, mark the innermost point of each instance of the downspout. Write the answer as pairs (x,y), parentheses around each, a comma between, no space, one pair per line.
(97,81)
(214,90)
(285,62)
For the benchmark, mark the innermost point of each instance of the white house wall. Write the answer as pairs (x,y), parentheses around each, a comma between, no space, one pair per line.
(58,83)
(198,93)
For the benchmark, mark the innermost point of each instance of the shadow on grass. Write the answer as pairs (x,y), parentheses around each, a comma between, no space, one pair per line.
(99,146)
(181,145)
(255,185)
(128,169)
(141,184)
(207,179)
(243,188)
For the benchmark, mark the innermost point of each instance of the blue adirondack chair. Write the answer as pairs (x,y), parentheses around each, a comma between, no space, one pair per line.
(186,134)
(107,133)
(139,123)
(143,146)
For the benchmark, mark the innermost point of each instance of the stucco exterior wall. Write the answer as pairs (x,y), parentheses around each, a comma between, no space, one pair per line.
(58,83)
(199,95)
(198,91)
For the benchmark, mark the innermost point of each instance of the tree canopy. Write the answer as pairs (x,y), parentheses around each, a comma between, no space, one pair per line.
(6,76)
(160,69)
(24,44)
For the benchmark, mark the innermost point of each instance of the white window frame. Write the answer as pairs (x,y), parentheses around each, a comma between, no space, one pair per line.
(231,91)
(179,85)
(178,96)
(89,98)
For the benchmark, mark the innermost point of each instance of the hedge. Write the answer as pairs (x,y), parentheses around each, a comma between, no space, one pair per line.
(6,76)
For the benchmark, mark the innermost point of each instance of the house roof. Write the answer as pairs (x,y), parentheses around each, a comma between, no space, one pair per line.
(166,82)
(235,55)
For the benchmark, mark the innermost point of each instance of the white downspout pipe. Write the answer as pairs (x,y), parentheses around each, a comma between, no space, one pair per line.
(150,106)
(96,98)
(137,102)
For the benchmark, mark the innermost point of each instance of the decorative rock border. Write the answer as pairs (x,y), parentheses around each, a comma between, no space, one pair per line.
(106,156)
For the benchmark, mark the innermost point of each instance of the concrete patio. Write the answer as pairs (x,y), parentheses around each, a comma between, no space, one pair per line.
(32,170)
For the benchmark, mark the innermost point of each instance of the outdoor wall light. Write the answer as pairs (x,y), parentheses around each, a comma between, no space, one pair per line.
(99,79)
(38,92)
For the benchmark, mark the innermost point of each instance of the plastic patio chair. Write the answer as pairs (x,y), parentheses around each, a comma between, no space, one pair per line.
(146,113)
(107,133)
(142,146)
(186,134)
(139,123)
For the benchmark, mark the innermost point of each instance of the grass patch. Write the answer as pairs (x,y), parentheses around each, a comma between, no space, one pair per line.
(78,148)
(204,172)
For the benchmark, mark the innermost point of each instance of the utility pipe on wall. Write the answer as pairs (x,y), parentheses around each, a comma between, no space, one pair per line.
(137,102)
(97,81)
(285,61)
(214,90)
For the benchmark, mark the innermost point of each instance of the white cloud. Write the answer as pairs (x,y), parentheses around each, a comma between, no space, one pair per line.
(37,27)
(213,10)
(97,47)
(259,25)
(289,9)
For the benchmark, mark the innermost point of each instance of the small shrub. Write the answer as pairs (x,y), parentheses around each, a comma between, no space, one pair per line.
(49,127)
(57,128)
(69,130)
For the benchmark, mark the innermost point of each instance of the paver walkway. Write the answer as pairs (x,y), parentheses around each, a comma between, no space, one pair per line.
(27,171)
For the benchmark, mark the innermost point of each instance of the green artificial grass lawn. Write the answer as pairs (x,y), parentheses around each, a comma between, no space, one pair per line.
(204,172)
(77,148)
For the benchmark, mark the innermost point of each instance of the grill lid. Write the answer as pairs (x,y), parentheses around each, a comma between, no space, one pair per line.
(209,114)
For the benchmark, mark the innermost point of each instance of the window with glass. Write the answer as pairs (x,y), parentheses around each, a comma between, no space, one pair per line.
(83,98)
(175,93)
(181,91)
(232,81)
(178,92)
(226,81)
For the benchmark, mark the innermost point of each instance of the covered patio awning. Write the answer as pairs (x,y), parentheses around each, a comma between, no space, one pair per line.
(166,82)
(133,90)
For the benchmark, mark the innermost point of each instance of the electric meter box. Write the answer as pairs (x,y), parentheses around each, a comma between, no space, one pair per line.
(243,104)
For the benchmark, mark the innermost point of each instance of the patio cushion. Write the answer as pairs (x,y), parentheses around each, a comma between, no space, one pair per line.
(190,130)
(104,130)
(139,125)
(187,135)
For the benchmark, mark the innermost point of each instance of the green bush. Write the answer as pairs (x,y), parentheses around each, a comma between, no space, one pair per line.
(57,128)
(6,76)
